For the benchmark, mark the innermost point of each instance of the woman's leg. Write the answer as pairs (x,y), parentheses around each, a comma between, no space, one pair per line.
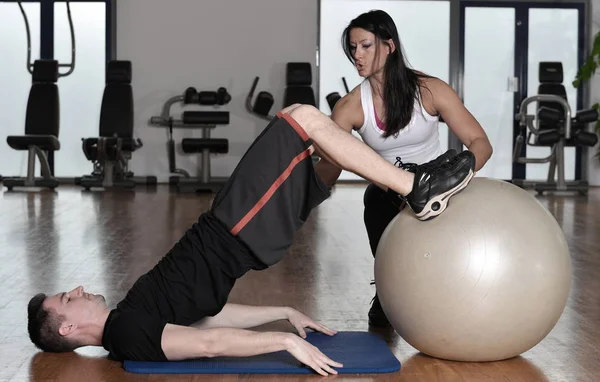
(380,209)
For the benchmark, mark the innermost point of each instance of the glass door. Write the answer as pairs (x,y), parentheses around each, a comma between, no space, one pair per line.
(488,58)
(502,44)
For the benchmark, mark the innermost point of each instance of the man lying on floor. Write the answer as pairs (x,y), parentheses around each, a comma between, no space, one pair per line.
(179,310)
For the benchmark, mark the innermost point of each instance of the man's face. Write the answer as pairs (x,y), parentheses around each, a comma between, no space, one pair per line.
(77,307)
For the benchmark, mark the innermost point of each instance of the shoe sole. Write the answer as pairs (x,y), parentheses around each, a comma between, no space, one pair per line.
(443,199)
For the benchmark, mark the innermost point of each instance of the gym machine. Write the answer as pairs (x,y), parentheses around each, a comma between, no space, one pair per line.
(111,151)
(205,120)
(41,127)
(556,129)
(561,131)
(42,123)
(298,90)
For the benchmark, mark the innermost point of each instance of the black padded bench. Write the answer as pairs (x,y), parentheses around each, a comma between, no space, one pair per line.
(42,125)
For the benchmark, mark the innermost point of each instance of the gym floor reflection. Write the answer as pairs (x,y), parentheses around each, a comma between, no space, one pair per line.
(104,240)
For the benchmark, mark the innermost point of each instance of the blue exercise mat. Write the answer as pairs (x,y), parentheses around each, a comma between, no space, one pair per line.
(359,352)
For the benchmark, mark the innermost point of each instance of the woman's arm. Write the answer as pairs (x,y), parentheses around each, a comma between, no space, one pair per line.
(449,106)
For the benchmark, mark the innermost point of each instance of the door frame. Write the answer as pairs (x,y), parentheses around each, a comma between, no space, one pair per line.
(521,65)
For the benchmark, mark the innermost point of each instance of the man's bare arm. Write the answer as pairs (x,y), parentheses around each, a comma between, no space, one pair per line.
(185,342)
(244,316)
(247,316)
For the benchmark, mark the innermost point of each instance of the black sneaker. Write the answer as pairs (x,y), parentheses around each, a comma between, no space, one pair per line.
(412,167)
(435,183)
(377,316)
(399,200)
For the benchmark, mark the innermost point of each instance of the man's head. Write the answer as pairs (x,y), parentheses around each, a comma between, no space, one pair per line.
(66,321)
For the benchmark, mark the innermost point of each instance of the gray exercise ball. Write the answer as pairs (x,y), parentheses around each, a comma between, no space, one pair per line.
(486,280)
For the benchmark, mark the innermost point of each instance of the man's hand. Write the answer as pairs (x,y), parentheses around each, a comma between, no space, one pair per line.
(311,356)
(301,321)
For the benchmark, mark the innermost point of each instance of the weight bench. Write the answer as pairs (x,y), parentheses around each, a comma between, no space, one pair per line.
(41,127)
(205,146)
(556,129)
(111,151)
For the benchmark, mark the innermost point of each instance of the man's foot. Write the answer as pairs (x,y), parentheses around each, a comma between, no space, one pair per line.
(412,167)
(435,183)
(377,316)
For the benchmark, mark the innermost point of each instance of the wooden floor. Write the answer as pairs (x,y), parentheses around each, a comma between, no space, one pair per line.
(104,240)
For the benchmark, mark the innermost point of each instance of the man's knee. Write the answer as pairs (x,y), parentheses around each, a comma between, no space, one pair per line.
(306,115)
(289,109)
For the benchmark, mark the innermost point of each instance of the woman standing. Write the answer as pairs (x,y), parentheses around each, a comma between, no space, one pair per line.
(396,112)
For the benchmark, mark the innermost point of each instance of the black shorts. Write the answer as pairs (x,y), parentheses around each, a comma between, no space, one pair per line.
(271,192)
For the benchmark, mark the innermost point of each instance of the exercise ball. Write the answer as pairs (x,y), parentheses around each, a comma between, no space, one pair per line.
(486,280)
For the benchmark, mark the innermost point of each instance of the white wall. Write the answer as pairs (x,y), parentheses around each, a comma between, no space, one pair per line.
(207,44)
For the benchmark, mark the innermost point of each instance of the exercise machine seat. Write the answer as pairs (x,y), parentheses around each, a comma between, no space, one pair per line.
(298,85)
(116,113)
(44,142)
(42,119)
(207,120)
(551,114)
(197,145)
(550,75)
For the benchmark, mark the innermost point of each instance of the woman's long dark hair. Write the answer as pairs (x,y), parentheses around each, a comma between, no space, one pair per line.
(401,84)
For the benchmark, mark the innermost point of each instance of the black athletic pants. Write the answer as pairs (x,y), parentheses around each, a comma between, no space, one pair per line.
(271,192)
(380,209)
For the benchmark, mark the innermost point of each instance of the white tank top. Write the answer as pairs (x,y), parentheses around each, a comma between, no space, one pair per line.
(418,142)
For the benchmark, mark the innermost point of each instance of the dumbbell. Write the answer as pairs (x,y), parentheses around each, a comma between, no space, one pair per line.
(219,97)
